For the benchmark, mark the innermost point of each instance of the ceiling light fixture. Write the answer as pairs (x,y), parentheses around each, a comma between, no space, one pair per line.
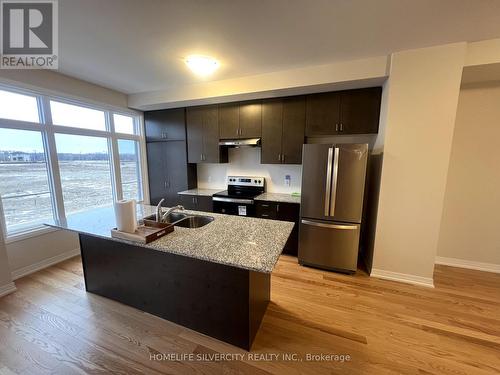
(202,65)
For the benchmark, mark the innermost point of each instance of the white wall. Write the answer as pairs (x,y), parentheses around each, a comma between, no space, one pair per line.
(471,213)
(6,285)
(32,253)
(421,107)
(245,161)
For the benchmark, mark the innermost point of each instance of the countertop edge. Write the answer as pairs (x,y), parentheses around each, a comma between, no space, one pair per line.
(198,193)
(168,251)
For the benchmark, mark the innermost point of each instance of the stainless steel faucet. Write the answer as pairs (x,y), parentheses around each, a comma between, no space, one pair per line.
(161,218)
(158,211)
(170,210)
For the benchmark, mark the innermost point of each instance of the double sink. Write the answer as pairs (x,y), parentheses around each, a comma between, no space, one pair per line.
(180,219)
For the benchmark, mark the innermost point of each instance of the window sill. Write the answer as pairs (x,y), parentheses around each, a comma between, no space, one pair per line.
(29,234)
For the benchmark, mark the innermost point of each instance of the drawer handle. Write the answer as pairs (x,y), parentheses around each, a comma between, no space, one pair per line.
(264,215)
(264,205)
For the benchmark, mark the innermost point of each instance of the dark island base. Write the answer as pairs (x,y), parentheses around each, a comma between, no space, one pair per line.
(221,301)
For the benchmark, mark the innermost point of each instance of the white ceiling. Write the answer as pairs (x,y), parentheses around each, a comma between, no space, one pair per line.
(139,45)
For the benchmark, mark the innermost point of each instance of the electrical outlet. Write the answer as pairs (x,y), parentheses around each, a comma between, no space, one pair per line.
(288,180)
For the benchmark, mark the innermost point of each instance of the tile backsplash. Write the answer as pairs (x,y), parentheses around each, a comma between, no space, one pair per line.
(245,161)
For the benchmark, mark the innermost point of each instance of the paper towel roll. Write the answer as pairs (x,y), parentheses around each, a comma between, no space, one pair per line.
(125,214)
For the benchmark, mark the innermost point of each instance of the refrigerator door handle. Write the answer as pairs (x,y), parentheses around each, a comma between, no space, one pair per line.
(331,226)
(334,181)
(328,186)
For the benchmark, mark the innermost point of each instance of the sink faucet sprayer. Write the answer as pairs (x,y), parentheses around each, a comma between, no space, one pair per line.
(159,217)
(171,209)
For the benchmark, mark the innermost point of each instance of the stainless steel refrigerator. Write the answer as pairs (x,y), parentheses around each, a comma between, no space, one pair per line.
(333,186)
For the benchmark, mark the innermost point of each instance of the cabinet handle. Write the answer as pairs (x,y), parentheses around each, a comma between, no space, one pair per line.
(165,184)
(264,215)
(277,208)
(264,205)
(336,127)
(201,156)
(283,158)
(341,127)
(279,157)
(194,200)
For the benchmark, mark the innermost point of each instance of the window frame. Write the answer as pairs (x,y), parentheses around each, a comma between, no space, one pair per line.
(48,131)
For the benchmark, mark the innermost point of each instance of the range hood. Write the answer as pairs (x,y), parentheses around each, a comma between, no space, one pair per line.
(250,142)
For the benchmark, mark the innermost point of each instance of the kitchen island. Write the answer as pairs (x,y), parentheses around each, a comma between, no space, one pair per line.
(214,279)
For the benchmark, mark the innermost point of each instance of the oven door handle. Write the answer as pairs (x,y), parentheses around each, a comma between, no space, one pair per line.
(232,200)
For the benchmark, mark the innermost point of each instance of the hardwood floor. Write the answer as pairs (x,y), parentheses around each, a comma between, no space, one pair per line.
(51,325)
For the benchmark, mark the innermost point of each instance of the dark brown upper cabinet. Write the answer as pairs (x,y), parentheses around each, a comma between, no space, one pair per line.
(343,112)
(283,122)
(250,119)
(168,169)
(229,120)
(360,111)
(203,135)
(322,114)
(165,125)
(240,120)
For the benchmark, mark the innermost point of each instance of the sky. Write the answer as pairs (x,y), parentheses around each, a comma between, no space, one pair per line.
(30,141)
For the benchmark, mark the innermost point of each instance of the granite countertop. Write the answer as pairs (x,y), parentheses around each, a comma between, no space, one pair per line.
(243,242)
(278,197)
(200,192)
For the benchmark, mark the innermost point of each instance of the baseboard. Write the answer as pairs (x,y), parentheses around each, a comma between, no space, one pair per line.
(469,264)
(7,289)
(24,271)
(403,277)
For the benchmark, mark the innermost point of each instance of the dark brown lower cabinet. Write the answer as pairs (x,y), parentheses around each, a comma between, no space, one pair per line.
(218,300)
(196,202)
(282,211)
(168,171)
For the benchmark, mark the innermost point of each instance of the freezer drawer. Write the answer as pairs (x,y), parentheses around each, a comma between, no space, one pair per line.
(329,245)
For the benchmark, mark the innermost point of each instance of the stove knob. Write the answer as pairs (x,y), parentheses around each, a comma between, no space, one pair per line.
(255,181)
(260,181)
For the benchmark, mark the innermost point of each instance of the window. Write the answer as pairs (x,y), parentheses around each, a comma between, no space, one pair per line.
(129,168)
(24,188)
(58,158)
(85,172)
(124,124)
(18,107)
(75,116)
